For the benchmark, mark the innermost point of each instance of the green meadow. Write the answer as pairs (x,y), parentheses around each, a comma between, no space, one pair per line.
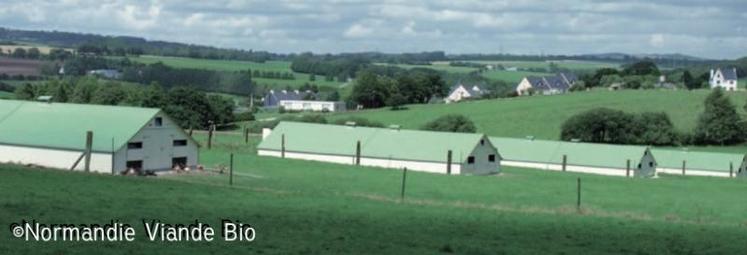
(6,95)
(568,64)
(542,116)
(301,207)
(438,65)
(235,65)
(510,77)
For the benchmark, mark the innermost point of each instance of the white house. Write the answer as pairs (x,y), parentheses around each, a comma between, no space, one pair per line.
(546,85)
(426,151)
(309,105)
(461,92)
(54,135)
(725,78)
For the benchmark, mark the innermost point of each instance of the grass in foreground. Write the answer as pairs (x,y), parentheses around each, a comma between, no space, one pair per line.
(310,207)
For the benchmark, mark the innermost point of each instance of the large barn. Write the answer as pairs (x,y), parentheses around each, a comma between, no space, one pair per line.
(384,147)
(602,159)
(701,163)
(55,135)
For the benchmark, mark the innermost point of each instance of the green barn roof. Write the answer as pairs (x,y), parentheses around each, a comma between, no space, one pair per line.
(580,154)
(375,142)
(64,126)
(708,161)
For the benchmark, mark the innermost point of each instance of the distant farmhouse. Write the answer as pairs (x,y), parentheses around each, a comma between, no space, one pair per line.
(546,85)
(427,151)
(55,135)
(106,73)
(725,78)
(461,92)
(300,101)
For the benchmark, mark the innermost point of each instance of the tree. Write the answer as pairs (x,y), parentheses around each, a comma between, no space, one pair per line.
(645,67)
(719,123)
(84,90)
(25,92)
(599,125)
(451,123)
(690,82)
(221,109)
(370,90)
(19,53)
(33,53)
(334,96)
(109,94)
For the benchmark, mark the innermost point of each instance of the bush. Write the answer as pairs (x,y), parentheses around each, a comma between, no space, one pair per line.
(244,116)
(719,123)
(361,122)
(451,123)
(602,125)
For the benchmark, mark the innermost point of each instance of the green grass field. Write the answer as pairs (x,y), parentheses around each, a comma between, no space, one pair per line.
(300,207)
(6,95)
(233,65)
(542,116)
(440,66)
(511,77)
(569,64)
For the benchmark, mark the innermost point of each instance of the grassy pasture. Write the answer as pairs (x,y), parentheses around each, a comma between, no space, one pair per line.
(235,65)
(438,65)
(310,207)
(569,64)
(511,77)
(6,95)
(542,116)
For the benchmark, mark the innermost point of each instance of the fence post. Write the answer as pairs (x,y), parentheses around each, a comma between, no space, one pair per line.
(731,169)
(565,161)
(578,194)
(89,148)
(282,146)
(210,136)
(246,135)
(627,168)
(404,180)
(230,171)
(448,162)
(190,130)
(684,166)
(358,153)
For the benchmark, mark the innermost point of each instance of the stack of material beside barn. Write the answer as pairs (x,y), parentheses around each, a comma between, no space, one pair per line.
(55,135)
(383,147)
(579,157)
(701,163)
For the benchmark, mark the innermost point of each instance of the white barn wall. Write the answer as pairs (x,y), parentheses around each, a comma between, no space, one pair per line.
(54,158)
(421,166)
(158,149)
(569,168)
(692,172)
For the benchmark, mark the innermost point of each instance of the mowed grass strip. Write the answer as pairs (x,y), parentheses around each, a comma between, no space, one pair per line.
(312,207)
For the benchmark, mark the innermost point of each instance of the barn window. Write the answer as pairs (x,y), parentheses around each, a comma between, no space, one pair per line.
(651,164)
(482,141)
(491,157)
(178,143)
(470,160)
(639,166)
(158,122)
(135,145)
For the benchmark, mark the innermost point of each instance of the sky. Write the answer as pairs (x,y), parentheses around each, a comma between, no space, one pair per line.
(712,29)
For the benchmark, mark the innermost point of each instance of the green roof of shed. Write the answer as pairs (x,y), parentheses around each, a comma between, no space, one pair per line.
(708,161)
(581,154)
(64,126)
(375,142)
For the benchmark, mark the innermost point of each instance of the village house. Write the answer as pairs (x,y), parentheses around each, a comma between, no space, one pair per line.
(725,78)
(309,105)
(546,85)
(273,98)
(461,92)
(111,139)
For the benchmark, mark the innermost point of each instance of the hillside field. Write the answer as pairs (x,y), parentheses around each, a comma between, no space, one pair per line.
(510,77)
(542,116)
(310,207)
(235,65)
(6,95)
(575,65)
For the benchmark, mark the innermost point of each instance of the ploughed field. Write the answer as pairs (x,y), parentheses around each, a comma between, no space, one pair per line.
(312,207)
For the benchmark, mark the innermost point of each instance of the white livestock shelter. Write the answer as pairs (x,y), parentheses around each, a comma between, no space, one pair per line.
(59,135)
(310,105)
(426,151)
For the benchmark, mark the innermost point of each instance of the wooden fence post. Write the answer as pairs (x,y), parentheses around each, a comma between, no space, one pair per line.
(89,149)
(190,130)
(282,146)
(578,194)
(358,153)
(230,171)
(627,168)
(210,136)
(731,169)
(684,166)
(246,135)
(404,180)
(565,161)
(448,162)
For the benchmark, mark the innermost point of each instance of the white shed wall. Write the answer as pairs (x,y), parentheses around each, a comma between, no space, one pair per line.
(431,167)
(54,158)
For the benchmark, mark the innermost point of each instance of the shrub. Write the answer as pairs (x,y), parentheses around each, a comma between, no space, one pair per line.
(451,123)
(603,125)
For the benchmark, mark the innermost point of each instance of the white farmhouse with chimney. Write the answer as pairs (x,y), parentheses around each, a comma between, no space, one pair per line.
(725,78)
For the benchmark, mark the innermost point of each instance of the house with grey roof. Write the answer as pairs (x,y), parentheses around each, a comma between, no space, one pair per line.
(546,85)
(273,97)
(725,78)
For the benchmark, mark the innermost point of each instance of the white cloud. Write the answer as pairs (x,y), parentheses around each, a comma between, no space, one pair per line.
(656,40)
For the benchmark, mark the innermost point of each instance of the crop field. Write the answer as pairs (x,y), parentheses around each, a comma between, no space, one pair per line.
(542,116)
(511,77)
(13,66)
(42,49)
(234,65)
(310,207)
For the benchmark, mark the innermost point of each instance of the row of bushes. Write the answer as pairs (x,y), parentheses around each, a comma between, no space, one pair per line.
(447,123)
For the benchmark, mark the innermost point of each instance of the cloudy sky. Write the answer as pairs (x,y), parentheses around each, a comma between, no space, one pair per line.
(713,29)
